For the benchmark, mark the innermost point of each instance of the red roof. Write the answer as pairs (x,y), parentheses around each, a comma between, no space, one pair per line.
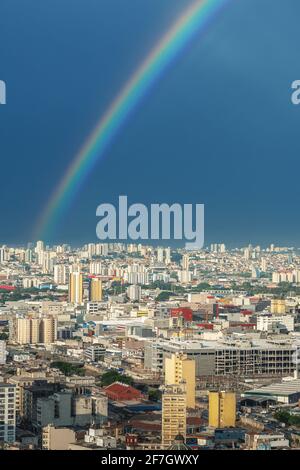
(207,326)
(246,312)
(122,392)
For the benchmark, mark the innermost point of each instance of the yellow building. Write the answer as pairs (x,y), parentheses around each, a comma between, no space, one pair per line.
(76,288)
(173,413)
(179,368)
(95,290)
(278,306)
(222,409)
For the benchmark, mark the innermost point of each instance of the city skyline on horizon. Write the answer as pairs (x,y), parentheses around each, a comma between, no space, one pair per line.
(160,244)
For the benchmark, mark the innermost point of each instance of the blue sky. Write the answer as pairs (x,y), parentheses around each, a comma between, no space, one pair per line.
(218,128)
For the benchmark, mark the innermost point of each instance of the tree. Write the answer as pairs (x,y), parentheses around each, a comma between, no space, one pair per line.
(283,416)
(165,295)
(154,394)
(68,369)
(114,376)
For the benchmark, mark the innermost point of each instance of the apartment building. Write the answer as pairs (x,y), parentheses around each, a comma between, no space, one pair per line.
(7,413)
(222,409)
(179,368)
(173,413)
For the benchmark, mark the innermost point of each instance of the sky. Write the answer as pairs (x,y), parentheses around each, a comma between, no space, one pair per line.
(218,128)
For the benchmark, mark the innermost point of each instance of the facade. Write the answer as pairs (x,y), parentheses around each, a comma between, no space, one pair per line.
(2,352)
(33,330)
(7,413)
(134,292)
(48,330)
(21,382)
(95,352)
(76,288)
(31,394)
(278,306)
(173,413)
(60,274)
(54,438)
(265,322)
(246,358)
(178,369)
(23,333)
(55,409)
(95,290)
(222,409)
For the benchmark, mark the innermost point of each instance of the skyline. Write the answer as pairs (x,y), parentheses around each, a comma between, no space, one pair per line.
(160,244)
(228,84)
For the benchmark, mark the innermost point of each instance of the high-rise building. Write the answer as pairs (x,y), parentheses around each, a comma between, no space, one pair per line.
(222,409)
(35,330)
(60,274)
(2,352)
(134,292)
(39,246)
(95,268)
(185,262)
(47,260)
(48,330)
(22,333)
(7,412)
(91,249)
(76,288)
(3,254)
(173,413)
(178,369)
(28,256)
(160,255)
(168,256)
(263,265)
(95,290)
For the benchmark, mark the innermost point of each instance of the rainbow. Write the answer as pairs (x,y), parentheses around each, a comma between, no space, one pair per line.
(193,20)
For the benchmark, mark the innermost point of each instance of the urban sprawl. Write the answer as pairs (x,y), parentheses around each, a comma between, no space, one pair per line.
(134,347)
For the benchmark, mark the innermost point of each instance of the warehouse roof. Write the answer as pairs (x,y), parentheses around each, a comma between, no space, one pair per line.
(283,389)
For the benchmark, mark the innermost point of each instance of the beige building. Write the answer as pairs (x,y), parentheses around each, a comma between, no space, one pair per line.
(57,438)
(179,368)
(22,330)
(95,291)
(76,288)
(35,330)
(20,383)
(173,413)
(26,380)
(48,330)
(222,409)
(278,306)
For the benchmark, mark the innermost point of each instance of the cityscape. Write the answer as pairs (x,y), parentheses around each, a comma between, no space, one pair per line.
(149,247)
(135,347)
